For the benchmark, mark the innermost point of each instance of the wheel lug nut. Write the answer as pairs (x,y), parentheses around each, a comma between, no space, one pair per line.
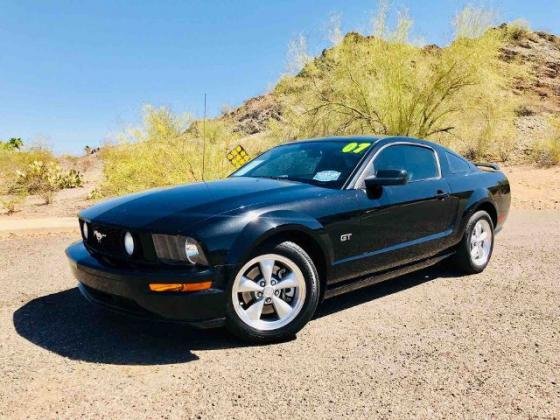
(268,300)
(262,283)
(273,282)
(276,292)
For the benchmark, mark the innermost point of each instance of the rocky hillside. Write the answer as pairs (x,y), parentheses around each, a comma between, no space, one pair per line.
(253,116)
(538,52)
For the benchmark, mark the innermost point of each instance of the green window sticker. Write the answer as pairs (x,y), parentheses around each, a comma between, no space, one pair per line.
(355,147)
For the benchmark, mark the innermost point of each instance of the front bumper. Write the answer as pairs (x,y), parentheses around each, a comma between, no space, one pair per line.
(126,290)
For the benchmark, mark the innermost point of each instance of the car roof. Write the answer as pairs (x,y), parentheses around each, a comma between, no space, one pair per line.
(372,139)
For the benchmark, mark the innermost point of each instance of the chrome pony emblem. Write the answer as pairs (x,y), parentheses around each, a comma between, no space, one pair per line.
(98,235)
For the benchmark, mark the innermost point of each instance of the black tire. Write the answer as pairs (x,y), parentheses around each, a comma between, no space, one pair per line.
(297,255)
(463,259)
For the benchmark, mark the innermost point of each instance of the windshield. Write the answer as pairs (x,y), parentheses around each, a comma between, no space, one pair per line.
(324,163)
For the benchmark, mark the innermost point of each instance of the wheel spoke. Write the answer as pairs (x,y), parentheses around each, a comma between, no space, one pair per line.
(289,281)
(248,285)
(266,267)
(282,307)
(474,253)
(482,236)
(255,310)
(480,250)
(478,229)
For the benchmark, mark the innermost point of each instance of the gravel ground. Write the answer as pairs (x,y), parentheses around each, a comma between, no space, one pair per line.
(424,345)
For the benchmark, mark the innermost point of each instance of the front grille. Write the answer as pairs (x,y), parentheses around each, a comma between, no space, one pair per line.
(108,245)
(106,240)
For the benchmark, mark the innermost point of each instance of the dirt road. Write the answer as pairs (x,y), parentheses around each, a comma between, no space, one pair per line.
(424,345)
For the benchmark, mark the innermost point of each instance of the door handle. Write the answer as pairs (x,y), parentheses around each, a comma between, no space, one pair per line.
(441,195)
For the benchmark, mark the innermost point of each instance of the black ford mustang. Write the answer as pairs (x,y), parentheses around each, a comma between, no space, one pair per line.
(301,222)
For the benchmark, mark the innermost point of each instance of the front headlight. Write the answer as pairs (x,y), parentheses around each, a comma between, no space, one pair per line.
(192,251)
(175,248)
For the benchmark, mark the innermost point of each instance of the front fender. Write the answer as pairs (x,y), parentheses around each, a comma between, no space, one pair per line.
(264,226)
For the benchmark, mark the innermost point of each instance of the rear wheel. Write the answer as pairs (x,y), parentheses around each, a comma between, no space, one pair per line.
(477,244)
(273,295)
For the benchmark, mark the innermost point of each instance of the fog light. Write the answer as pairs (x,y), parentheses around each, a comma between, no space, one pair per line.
(180,287)
(129,243)
(85,230)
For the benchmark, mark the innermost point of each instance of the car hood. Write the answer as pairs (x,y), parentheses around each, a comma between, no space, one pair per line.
(172,210)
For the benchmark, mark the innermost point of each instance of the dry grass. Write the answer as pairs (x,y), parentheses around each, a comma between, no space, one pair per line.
(547,152)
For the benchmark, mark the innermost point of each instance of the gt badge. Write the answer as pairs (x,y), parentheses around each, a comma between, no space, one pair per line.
(345,237)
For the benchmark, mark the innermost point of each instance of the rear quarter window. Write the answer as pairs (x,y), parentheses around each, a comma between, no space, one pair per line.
(457,165)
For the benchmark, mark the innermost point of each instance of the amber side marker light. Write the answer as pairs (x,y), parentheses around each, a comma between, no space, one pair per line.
(180,287)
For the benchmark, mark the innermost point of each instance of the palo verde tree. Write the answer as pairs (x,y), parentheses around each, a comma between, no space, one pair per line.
(384,84)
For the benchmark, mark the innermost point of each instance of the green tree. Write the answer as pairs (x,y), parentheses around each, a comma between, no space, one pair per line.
(384,84)
(15,143)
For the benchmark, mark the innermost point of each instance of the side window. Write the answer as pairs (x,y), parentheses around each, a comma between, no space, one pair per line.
(419,162)
(457,165)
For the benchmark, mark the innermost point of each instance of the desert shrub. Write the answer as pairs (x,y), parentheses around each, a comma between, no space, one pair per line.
(70,179)
(44,179)
(95,194)
(13,161)
(15,143)
(166,150)
(11,202)
(547,152)
(384,84)
(517,29)
(473,22)
(32,171)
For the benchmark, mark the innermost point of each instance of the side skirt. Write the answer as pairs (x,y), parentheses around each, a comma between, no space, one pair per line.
(371,279)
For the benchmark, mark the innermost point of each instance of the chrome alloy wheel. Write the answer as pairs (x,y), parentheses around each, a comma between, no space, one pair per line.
(268,292)
(481,242)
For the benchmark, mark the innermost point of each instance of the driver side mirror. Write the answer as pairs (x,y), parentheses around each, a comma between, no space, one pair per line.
(387,177)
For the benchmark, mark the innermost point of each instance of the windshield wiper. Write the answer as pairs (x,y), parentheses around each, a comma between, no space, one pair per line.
(278,178)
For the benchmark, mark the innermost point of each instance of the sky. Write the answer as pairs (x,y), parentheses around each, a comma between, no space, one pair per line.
(76,73)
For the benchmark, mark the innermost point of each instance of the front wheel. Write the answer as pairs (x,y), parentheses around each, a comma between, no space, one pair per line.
(477,244)
(273,295)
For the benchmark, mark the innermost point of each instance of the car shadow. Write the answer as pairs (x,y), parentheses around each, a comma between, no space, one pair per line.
(66,324)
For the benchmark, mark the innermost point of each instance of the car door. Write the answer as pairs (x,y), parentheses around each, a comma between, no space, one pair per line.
(415,218)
